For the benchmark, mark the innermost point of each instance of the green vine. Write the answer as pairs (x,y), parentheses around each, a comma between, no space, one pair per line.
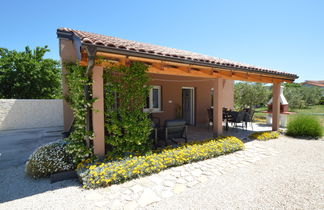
(76,80)
(127,126)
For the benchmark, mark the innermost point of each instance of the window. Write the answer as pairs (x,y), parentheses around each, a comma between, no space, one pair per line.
(153,101)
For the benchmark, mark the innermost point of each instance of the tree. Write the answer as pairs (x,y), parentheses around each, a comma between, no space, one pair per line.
(250,94)
(28,75)
(294,96)
(300,96)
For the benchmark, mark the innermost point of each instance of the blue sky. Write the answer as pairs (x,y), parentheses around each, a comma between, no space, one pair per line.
(284,35)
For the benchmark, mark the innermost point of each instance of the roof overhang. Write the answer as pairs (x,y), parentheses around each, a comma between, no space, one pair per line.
(227,71)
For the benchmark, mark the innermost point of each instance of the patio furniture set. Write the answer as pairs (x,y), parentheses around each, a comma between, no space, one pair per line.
(174,129)
(244,117)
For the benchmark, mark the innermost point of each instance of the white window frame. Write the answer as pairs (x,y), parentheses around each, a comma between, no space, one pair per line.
(151,109)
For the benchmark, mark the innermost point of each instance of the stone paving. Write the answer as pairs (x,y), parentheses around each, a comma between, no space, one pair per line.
(147,190)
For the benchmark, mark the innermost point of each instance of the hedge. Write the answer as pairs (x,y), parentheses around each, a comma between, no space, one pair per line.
(102,174)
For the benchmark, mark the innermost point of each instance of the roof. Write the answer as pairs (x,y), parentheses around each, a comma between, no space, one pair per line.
(124,45)
(319,83)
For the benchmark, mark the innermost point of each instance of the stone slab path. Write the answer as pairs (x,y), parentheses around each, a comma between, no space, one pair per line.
(145,191)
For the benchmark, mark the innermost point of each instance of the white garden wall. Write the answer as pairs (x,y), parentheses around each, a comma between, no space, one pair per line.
(30,113)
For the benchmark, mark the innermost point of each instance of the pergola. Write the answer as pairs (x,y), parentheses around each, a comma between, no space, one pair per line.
(87,47)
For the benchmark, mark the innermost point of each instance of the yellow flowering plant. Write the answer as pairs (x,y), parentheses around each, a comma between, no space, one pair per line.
(102,174)
(264,136)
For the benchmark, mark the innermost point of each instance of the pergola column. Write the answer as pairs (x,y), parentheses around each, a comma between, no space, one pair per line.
(98,112)
(68,54)
(275,106)
(218,107)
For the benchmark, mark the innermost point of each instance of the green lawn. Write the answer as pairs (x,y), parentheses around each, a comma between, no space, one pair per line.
(317,111)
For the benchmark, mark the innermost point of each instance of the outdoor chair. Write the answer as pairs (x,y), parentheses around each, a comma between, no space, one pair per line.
(175,129)
(226,115)
(248,118)
(237,117)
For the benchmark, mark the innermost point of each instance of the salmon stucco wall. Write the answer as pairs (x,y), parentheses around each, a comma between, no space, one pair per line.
(171,96)
(68,54)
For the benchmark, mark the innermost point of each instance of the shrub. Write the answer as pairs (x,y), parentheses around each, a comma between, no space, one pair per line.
(304,126)
(127,127)
(103,174)
(264,136)
(48,159)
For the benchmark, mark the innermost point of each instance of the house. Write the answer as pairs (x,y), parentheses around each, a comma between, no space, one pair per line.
(190,80)
(314,83)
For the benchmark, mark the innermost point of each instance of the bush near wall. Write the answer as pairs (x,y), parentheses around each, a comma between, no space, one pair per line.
(103,174)
(264,136)
(305,126)
(48,159)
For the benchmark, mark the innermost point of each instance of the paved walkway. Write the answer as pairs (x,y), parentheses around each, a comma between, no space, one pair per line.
(17,145)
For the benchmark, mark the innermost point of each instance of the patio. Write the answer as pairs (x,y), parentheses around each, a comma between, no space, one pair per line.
(201,133)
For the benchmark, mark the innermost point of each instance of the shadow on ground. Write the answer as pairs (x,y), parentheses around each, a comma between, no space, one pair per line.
(15,184)
(15,148)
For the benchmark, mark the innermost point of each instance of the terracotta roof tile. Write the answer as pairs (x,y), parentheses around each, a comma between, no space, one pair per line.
(114,42)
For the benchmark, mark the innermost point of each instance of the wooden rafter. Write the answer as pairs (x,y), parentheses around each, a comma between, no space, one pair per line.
(174,68)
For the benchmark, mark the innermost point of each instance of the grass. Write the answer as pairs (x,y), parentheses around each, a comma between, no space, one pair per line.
(312,110)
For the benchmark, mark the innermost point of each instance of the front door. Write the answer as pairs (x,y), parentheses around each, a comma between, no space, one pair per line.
(188,105)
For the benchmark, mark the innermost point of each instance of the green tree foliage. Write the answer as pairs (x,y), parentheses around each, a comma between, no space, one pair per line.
(250,94)
(300,96)
(28,75)
(127,126)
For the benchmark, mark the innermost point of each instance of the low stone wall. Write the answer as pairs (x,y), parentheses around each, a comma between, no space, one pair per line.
(30,113)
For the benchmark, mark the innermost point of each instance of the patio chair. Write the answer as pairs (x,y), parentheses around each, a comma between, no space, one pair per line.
(237,117)
(226,115)
(248,118)
(175,129)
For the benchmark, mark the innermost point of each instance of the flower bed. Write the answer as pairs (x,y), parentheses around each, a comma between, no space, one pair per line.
(103,174)
(264,136)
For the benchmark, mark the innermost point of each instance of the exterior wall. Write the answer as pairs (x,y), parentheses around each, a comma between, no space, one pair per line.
(68,54)
(30,113)
(171,97)
(228,95)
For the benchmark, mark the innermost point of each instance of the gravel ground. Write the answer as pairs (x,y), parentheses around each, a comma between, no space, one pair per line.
(293,179)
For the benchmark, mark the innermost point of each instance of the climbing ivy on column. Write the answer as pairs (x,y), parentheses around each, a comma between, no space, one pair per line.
(76,79)
(127,126)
